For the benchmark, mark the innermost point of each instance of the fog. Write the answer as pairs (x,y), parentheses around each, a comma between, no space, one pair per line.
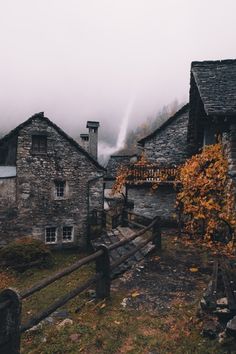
(80,60)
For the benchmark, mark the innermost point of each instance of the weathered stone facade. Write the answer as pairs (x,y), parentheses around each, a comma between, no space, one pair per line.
(148,202)
(213,108)
(37,205)
(167,145)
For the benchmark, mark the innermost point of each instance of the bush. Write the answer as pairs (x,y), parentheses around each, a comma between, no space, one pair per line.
(25,253)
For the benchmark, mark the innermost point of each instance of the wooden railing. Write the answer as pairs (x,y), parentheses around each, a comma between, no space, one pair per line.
(11,300)
(147,174)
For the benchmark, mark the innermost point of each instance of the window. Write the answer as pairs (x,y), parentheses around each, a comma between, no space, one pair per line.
(60,189)
(50,235)
(39,144)
(68,234)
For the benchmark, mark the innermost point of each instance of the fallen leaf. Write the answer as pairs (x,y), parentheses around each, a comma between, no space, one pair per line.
(117,322)
(193,270)
(102,306)
(135,294)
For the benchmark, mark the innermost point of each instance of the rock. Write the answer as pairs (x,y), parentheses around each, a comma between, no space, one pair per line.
(223,302)
(222,337)
(74,337)
(210,329)
(61,314)
(222,313)
(231,327)
(49,320)
(225,339)
(36,328)
(91,294)
(124,302)
(65,322)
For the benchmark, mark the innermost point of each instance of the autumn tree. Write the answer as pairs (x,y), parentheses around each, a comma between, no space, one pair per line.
(205,195)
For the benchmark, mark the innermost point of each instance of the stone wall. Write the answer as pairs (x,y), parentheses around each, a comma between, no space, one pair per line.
(229,142)
(169,145)
(160,202)
(7,193)
(37,204)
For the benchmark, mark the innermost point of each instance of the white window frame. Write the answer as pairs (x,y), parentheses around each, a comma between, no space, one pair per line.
(72,234)
(51,242)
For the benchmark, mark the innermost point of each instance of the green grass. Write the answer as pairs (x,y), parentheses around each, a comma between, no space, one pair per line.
(107,327)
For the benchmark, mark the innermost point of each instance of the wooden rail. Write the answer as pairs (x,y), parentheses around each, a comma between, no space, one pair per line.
(10,300)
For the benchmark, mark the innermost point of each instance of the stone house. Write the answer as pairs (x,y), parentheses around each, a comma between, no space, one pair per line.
(114,163)
(167,144)
(211,112)
(166,147)
(49,185)
(213,107)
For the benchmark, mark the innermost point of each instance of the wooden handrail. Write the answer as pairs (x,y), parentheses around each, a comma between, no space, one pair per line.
(58,303)
(42,284)
(101,277)
(132,237)
(130,253)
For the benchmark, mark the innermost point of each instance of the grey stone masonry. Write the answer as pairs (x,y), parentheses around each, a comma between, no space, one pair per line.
(93,138)
(232,151)
(35,202)
(150,203)
(168,144)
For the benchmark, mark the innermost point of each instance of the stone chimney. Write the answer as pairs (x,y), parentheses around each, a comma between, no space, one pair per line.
(84,141)
(93,138)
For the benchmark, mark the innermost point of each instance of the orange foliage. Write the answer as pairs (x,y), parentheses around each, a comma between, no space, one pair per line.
(140,172)
(206,196)
(6,280)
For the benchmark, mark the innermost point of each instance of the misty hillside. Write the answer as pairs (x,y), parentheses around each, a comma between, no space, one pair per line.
(149,125)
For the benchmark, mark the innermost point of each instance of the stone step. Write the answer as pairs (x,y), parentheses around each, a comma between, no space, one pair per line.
(116,235)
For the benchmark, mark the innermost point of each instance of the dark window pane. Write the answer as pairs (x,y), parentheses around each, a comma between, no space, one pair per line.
(39,144)
(60,188)
(67,233)
(50,235)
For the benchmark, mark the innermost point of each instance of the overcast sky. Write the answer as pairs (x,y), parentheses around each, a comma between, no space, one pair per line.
(80,60)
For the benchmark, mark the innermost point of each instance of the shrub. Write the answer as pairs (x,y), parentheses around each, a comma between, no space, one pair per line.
(24,253)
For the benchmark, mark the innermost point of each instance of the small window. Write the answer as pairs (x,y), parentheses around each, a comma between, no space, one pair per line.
(60,189)
(50,235)
(67,235)
(39,144)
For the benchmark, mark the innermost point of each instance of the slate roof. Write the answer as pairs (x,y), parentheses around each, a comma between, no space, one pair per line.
(182,110)
(115,162)
(40,115)
(216,82)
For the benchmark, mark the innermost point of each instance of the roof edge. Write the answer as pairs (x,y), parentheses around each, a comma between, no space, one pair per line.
(40,115)
(220,61)
(165,124)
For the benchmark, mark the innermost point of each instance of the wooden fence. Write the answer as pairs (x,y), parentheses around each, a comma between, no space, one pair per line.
(11,300)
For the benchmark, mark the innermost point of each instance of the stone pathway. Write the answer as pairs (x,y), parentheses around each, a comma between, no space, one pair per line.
(116,235)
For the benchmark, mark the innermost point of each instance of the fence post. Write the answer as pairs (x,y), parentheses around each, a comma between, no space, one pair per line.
(103,266)
(156,231)
(10,318)
(124,217)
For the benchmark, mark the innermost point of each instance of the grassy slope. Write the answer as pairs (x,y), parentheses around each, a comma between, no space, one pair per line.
(107,327)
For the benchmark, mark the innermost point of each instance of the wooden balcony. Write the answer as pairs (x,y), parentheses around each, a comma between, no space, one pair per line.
(151,174)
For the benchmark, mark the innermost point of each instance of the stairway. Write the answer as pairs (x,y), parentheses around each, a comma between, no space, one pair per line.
(115,235)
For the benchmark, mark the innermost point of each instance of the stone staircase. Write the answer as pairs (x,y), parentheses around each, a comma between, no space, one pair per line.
(115,235)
